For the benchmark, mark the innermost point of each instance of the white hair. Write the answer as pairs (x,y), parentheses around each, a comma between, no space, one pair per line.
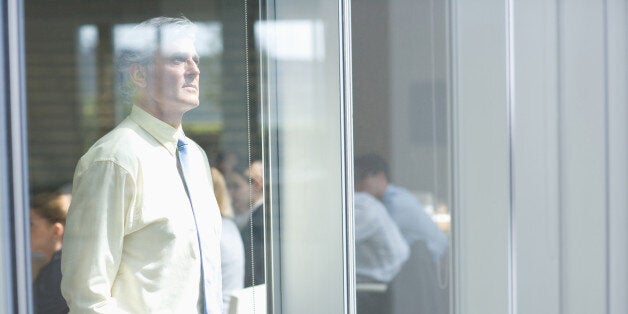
(152,35)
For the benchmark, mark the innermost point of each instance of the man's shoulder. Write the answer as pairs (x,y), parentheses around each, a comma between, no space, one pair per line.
(367,205)
(364,199)
(397,191)
(395,194)
(119,145)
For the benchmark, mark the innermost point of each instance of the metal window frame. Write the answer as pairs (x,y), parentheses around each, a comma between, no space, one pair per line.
(15,277)
(271,155)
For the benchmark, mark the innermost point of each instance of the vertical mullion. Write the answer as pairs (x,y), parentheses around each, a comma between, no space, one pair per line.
(14,217)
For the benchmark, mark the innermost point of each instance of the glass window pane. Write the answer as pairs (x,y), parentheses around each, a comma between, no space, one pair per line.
(402,156)
(135,220)
(303,122)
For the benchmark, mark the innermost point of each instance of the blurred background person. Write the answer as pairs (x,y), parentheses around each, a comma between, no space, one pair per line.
(231,247)
(421,285)
(47,224)
(253,231)
(237,185)
(380,252)
(65,196)
(38,260)
(372,176)
(380,247)
(226,162)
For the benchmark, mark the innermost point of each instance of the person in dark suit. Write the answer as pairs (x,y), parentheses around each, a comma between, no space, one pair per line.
(253,231)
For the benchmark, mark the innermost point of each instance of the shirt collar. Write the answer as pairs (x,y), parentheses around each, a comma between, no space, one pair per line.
(161,131)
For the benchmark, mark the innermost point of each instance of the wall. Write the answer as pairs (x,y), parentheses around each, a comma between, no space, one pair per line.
(570,156)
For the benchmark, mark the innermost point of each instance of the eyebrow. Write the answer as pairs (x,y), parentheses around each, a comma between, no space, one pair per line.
(183,55)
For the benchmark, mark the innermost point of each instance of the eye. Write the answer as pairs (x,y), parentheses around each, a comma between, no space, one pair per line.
(178,59)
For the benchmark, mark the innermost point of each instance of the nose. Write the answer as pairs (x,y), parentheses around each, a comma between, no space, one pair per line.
(192,67)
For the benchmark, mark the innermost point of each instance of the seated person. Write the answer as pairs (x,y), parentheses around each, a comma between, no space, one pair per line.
(253,231)
(238,188)
(380,253)
(371,176)
(380,249)
(47,223)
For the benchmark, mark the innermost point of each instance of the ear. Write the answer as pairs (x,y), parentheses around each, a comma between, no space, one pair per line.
(58,229)
(257,185)
(138,74)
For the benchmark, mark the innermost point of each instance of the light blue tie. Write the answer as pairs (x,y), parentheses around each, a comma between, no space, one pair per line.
(186,175)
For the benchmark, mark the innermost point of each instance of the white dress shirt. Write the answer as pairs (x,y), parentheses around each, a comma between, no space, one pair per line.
(380,249)
(131,244)
(413,222)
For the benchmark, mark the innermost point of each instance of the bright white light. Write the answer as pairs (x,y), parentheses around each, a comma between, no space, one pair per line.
(128,37)
(292,39)
(88,38)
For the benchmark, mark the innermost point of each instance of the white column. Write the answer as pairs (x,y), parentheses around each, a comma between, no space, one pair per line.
(481,157)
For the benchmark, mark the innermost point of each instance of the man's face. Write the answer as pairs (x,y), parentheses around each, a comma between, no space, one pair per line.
(239,192)
(173,79)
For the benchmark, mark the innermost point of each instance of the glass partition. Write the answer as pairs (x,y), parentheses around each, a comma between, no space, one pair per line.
(385,156)
(402,147)
(272,120)
(79,88)
(305,125)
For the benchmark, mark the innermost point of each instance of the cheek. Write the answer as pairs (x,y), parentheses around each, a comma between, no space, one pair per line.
(40,233)
(36,237)
(168,81)
(160,80)
(170,76)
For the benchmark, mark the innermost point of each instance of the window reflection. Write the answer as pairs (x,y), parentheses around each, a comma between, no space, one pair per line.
(401,144)
(292,40)
(88,84)
(76,93)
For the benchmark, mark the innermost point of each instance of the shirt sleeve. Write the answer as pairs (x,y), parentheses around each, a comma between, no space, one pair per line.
(415,224)
(393,249)
(95,227)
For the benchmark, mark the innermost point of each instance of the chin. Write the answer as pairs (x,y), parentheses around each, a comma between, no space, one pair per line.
(191,104)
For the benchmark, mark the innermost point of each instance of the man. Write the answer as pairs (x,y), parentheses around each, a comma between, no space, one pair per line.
(143,230)
(253,227)
(380,252)
(380,249)
(371,176)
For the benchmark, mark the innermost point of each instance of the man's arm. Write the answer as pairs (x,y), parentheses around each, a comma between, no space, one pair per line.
(92,247)
(394,250)
(415,224)
(388,250)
